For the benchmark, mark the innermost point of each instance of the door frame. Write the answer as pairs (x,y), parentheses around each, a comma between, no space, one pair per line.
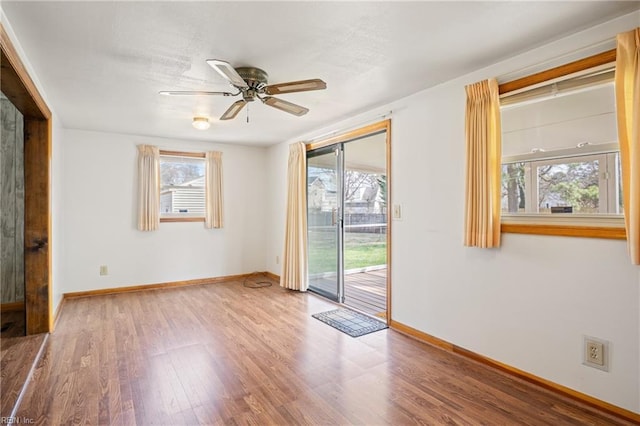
(384,125)
(20,89)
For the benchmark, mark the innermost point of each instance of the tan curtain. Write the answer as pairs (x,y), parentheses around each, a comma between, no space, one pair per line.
(483,173)
(294,261)
(148,188)
(213,190)
(627,83)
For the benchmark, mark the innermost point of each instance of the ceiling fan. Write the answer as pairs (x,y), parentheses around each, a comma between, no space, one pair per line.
(251,83)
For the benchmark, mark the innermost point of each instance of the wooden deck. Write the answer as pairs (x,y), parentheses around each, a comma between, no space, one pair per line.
(367,292)
(364,291)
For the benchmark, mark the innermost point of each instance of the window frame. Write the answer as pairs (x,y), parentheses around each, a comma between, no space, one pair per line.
(185,154)
(607,180)
(588,226)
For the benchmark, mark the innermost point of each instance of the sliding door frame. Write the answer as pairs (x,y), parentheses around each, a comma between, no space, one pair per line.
(361,132)
(337,151)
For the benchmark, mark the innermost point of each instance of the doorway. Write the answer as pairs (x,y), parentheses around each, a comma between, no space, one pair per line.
(348,221)
(12,317)
(18,87)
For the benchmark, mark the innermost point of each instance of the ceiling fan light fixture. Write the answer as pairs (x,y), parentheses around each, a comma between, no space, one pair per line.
(201,123)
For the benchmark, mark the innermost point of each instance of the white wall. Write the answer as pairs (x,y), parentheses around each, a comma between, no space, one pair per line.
(99,183)
(527,304)
(57,214)
(278,163)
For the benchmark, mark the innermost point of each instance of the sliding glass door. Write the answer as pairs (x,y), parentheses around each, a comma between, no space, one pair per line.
(324,216)
(364,217)
(348,221)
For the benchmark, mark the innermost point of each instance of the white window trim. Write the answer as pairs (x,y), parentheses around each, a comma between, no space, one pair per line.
(607,189)
(605,201)
(603,148)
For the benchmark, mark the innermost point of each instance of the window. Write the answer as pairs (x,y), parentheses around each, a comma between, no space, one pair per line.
(182,186)
(583,184)
(560,152)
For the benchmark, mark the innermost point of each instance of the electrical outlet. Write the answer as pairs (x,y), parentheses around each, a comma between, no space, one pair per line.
(277,260)
(596,353)
(104,270)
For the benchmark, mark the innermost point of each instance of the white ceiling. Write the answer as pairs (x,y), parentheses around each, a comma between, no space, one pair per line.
(102,63)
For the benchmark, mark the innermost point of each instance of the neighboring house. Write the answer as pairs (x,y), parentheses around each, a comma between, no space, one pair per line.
(322,191)
(322,194)
(185,198)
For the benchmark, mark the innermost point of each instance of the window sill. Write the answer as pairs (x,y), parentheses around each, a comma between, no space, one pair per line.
(571,225)
(181,219)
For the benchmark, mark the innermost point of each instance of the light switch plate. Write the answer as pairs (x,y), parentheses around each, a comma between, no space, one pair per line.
(397,211)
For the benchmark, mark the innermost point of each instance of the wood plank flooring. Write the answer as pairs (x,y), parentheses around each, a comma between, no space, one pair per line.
(17,355)
(227,354)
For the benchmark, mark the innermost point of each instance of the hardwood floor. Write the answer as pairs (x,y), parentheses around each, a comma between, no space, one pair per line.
(227,354)
(17,355)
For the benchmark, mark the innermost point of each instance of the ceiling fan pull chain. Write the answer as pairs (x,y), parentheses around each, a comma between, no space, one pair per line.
(247,114)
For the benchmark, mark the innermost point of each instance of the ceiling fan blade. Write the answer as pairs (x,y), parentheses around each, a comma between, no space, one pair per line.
(228,72)
(296,86)
(285,106)
(233,110)
(195,93)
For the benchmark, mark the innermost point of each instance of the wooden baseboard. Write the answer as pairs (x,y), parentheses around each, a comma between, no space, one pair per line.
(419,335)
(144,287)
(273,276)
(57,314)
(12,307)
(539,381)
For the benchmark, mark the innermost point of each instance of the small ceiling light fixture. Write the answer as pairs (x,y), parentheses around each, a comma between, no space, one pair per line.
(201,123)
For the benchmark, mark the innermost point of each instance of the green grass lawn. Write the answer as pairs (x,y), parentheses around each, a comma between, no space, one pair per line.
(360,250)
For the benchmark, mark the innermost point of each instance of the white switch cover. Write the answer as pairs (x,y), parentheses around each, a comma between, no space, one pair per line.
(397,211)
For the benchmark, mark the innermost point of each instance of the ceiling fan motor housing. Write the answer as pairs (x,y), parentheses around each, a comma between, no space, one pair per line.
(254,77)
